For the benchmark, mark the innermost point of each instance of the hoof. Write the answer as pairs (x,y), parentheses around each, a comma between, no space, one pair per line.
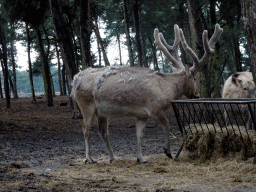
(142,161)
(111,160)
(90,161)
(167,154)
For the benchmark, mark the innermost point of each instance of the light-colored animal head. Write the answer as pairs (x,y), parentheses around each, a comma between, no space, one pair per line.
(239,85)
(172,53)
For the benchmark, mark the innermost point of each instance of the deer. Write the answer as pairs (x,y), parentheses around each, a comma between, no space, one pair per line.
(119,91)
(239,85)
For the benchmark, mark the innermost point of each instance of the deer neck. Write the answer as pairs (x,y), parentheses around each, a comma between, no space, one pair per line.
(176,84)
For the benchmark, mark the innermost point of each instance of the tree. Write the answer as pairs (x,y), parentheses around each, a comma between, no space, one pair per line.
(127,32)
(249,20)
(4,65)
(137,29)
(29,65)
(85,32)
(63,34)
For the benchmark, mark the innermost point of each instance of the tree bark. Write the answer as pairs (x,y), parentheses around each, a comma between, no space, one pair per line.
(5,67)
(46,69)
(137,29)
(85,32)
(30,65)
(63,34)
(127,33)
(197,26)
(97,33)
(248,8)
(59,68)
(1,92)
(15,93)
(119,47)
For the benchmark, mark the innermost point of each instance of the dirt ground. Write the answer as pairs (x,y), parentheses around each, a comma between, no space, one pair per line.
(42,149)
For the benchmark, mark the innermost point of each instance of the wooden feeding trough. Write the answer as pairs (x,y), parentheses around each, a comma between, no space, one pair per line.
(222,125)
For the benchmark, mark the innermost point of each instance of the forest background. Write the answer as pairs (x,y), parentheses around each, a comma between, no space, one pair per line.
(61,33)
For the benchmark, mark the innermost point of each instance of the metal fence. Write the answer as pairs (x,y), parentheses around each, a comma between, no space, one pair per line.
(230,116)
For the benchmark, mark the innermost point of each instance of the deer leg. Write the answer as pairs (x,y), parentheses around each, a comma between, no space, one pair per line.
(162,120)
(86,130)
(248,120)
(140,125)
(103,131)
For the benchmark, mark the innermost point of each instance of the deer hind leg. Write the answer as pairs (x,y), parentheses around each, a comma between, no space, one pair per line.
(103,131)
(248,120)
(140,126)
(162,120)
(87,120)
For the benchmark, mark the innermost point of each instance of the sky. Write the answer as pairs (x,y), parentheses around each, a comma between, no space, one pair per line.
(112,52)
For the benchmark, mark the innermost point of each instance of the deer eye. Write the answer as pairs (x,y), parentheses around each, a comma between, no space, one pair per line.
(244,88)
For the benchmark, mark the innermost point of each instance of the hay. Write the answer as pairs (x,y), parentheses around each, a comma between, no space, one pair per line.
(206,141)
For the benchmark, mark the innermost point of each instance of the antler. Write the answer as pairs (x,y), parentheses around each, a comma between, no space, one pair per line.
(171,52)
(208,48)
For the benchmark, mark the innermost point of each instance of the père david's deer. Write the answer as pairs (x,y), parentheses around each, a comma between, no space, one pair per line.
(239,85)
(138,92)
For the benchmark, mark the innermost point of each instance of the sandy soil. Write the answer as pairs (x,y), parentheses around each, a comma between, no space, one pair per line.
(42,149)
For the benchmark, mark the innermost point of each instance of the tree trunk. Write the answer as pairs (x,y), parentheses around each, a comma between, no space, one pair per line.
(63,73)
(156,68)
(127,33)
(63,34)
(1,92)
(119,47)
(46,68)
(30,66)
(59,74)
(85,32)
(15,93)
(5,67)
(144,48)
(197,26)
(137,29)
(249,20)
(97,33)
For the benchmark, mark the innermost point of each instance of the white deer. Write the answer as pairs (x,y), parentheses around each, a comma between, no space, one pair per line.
(239,85)
(139,92)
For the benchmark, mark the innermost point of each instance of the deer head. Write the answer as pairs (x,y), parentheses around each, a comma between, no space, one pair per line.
(172,54)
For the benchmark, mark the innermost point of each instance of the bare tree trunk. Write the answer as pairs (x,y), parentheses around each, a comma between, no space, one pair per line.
(129,44)
(137,28)
(119,47)
(46,69)
(59,74)
(15,93)
(249,19)
(5,67)
(85,32)
(63,34)
(30,66)
(97,33)
(1,92)
(197,26)
(156,68)
(98,44)
(63,73)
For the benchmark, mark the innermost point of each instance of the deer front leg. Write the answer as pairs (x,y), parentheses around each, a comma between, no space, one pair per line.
(140,125)
(162,120)
(103,131)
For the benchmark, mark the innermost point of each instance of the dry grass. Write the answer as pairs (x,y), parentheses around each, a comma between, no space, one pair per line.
(205,141)
(160,174)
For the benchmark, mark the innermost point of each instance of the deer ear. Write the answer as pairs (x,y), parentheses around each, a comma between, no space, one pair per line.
(235,80)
